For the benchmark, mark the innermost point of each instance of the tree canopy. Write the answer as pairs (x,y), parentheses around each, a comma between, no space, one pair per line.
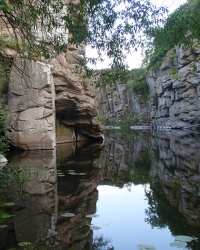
(107,25)
(31,28)
(181,27)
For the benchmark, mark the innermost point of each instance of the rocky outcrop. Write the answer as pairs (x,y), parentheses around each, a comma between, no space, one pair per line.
(118,103)
(175,90)
(75,98)
(50,101)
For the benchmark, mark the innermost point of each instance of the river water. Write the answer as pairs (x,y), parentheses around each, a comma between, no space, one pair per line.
(136,190)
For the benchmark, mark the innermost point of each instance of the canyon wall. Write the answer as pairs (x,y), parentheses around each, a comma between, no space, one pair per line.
(175,90)
(75,102)
(119,103)
(31,106)
(174,101)
(49,101)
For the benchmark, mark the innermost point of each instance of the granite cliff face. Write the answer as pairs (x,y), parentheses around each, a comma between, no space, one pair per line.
(175,90)
(118,103)
(50,102)
(174,94)
(31,105)
(75,98)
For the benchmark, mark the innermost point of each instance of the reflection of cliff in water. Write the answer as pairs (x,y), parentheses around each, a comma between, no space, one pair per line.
(126,158)
(47,188)
(176,168)
(77,192)
(44,195)
(169,162)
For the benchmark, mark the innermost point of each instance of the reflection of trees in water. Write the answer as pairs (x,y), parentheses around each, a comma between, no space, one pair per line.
(161,214)
(100,243)
(139,169)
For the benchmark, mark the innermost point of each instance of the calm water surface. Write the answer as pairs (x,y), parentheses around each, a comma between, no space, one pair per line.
(135,190)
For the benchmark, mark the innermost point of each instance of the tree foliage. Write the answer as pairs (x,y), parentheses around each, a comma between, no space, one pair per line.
(4,142)
(107,25)
(181,27)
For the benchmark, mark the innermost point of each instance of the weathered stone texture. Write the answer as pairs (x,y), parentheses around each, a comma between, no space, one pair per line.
(31,101)
(75,96)
(117,103)
(37,89)
(174,90)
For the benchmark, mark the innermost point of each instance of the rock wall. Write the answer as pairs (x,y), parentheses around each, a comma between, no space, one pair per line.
(51,102)
(118,103)
(175,90)
(31,99)
(75,97)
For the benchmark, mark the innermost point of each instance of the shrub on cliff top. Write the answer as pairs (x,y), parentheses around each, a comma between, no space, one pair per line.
(181,27)
(137,82)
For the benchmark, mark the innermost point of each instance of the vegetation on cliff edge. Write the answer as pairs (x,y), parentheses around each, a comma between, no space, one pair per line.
(30,27)
(181,27)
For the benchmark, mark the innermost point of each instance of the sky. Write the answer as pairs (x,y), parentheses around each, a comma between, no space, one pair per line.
(121,219)
(134,59)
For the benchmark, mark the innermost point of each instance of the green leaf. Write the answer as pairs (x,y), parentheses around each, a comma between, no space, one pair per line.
(72,172)
(184,238)
(93,227)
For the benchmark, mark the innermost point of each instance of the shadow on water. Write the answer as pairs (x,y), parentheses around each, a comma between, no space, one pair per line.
(48,198)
